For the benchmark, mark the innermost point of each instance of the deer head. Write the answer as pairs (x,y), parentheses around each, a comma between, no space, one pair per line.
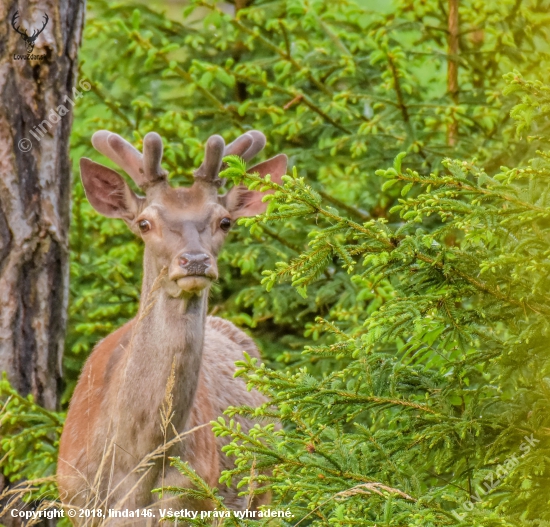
(29,40)
(183,228)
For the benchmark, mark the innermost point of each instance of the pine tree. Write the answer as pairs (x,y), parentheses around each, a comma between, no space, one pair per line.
(440,414)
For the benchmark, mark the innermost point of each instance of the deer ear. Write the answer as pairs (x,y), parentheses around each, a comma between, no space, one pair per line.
(107,192)
(243,202)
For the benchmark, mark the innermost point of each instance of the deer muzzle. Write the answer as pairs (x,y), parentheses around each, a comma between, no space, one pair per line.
(193,271)
(194,264)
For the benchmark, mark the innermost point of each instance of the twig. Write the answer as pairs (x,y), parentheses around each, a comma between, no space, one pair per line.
(452,68)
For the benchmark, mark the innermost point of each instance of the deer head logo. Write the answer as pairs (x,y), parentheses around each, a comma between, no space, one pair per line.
(29,39)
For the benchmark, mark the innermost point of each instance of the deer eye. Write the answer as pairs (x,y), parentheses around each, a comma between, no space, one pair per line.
(144,225)
(225,223)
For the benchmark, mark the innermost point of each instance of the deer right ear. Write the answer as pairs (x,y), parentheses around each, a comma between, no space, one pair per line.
(243,202)
(107,192)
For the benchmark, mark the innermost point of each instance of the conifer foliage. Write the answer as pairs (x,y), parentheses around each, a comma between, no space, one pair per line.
(440,414)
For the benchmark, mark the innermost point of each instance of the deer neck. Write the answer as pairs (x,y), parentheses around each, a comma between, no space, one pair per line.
(167,336)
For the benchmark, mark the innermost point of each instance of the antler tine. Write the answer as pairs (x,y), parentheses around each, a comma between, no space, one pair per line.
(247,145)
(210,167)
(37,32)
(258,143)
(14,21)
(122,153)
(152,156)
(239,146)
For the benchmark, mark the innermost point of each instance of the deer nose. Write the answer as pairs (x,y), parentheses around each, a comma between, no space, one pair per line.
(194,264)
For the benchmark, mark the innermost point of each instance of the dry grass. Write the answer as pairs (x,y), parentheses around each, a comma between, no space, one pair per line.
(93,488)
(167,414)
(371,487)
(144,466)
(15,496)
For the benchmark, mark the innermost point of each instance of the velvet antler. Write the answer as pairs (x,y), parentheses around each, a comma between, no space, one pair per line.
(246,146)
(144,169)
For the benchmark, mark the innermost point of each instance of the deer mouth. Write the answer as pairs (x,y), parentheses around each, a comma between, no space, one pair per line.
(190,276)
(193,283)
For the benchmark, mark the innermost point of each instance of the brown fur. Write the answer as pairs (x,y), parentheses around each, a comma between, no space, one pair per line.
(217,389)
(114,423)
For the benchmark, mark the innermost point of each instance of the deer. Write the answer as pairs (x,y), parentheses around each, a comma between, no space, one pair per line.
(29,39)
(114,417)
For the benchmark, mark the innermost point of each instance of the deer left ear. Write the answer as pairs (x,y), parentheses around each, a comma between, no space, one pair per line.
(107,192)
(242,202)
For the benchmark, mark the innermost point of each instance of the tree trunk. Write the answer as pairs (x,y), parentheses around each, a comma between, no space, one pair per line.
(452,68)
(35,177)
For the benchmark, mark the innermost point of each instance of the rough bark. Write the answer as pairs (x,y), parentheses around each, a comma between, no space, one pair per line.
(35,193)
